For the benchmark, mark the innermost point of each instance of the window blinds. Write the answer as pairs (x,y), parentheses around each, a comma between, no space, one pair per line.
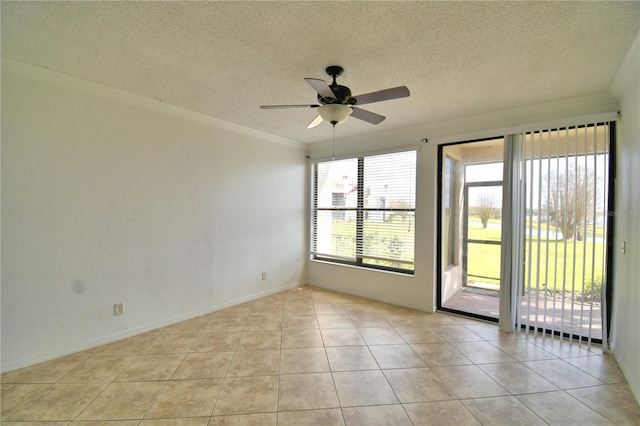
(363,211)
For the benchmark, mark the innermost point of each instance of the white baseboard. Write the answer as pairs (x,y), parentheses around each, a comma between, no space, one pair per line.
(103,340)
(399,302)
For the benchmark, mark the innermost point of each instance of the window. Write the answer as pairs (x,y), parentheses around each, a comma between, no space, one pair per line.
(363,211)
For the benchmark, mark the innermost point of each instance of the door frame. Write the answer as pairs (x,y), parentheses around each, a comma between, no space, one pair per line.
(465,229)
(439,231)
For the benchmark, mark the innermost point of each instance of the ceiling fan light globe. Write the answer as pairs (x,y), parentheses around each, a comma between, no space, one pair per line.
(334,113)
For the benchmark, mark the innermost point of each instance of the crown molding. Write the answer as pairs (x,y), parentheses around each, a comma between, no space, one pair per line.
(44,74)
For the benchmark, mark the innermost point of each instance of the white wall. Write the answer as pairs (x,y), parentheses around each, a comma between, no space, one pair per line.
(412,291)
(107,197)
(625,339)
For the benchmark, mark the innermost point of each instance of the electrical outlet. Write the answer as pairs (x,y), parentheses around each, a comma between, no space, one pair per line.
(264,276)
(118,308)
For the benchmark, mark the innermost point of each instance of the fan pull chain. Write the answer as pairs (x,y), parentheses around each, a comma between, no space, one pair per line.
(333,145)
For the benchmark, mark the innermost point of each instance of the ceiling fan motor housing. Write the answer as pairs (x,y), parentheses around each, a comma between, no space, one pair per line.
(342,94)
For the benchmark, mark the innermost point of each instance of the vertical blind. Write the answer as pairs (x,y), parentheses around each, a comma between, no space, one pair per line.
(363,211)
(565,176)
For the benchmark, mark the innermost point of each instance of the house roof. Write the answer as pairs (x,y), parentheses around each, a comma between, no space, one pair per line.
(225,59)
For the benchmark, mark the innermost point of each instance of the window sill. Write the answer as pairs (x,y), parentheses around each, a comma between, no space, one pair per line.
(362,268)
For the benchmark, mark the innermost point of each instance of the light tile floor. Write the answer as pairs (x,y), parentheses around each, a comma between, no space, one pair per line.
(309,356)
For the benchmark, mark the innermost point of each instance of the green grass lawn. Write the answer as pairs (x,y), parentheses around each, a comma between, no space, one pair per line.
(557,269)
(393,238)
(482,259)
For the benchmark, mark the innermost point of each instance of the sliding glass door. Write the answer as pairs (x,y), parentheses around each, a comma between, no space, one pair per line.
(471,228)
(523,230)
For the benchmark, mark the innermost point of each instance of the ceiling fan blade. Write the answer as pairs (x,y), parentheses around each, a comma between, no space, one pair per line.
(321,87)
(287,106)
(382,95)
(316,122)
(368,116)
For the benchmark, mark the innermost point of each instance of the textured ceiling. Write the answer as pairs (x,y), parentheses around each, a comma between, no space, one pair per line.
(224,59)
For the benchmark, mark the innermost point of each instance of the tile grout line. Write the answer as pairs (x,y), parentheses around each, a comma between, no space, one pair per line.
(221,387)
(99,393)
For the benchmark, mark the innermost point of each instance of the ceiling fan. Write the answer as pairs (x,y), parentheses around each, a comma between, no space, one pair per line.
(335,102)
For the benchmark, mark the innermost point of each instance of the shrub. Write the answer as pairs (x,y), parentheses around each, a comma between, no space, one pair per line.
(592,290)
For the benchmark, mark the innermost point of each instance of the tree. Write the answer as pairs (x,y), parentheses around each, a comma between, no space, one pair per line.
(486,207)
(401,204)
(569,192)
